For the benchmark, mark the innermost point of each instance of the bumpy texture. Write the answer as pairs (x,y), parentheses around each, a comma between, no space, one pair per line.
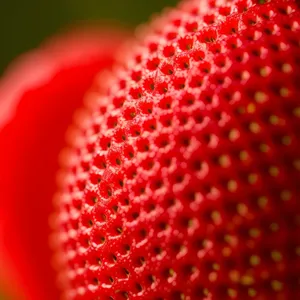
(183,183)
(38,96)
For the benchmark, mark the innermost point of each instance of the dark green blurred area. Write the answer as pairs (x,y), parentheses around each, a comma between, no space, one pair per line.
(24,24)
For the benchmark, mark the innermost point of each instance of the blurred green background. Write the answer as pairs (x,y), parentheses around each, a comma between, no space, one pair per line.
(24,24)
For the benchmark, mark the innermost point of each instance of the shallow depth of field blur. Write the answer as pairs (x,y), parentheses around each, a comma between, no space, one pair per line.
(25,24)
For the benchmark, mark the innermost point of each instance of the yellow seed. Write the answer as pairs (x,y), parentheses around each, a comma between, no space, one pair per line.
(286,140)
(286,68)
(260,97)
(242,209)
(264,71)
(254,127)
(252,178)
(274,171)
(296,164)
(274,227)
(171,272)
(205,243)
(190,223)
(296,112)
(251,108)
(262,201)
(254,260)
(233,134)
(216,266)
(274,120)
(276,285)
(254,232)
(252,292)
(243,155)
(224,161)
(284,92)
(276,256)
(216,217)
(227,238)
(241,110)
(232,185)
(264,148)
(232,293)
(247,280)
(285,195)
(205,292)
(183,248)
(263,1)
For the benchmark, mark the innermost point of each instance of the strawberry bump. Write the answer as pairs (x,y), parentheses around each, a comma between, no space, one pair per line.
(183,183)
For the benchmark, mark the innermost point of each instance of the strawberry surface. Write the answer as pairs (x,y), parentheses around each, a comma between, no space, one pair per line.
(182,181)
(38,95)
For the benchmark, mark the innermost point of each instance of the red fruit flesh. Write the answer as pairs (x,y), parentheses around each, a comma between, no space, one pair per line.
(184,182)
(39,95)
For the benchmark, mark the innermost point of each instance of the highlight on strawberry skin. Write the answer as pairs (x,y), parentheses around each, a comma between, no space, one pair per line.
(183,183)
(38,95)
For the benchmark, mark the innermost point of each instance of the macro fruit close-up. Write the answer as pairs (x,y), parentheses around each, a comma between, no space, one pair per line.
(35,117)
(164,165)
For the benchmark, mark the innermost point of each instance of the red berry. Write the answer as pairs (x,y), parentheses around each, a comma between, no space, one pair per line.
(183,183)
(38,96)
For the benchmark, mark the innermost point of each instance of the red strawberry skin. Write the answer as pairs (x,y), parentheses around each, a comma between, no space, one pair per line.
(184,182)
(39,95)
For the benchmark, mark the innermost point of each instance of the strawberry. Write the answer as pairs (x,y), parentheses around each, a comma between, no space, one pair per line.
(183,180)
(38,95)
